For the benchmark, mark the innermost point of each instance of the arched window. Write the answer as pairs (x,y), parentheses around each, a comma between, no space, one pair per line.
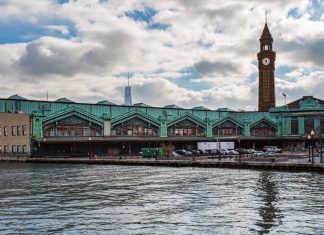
(263,129)
(72,126)
(186,128)
(135,127)
(227,128)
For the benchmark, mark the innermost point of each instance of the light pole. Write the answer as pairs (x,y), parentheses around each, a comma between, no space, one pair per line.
(239,142)
(312,138)
(309,150)
(321,144)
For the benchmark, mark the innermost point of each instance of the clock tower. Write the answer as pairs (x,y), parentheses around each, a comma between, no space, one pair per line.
(266,58)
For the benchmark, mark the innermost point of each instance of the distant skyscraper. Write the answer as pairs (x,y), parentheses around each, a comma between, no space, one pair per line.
(128,94)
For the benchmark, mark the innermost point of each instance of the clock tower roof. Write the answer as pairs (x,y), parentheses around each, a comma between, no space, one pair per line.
(266,35)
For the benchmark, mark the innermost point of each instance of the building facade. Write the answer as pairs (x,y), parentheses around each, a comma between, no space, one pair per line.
(64,127)
(15,129)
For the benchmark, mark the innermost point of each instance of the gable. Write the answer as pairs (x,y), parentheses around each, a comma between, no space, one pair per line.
(188,117)
(135,114)
(73,114)
(227,121)
(263,122)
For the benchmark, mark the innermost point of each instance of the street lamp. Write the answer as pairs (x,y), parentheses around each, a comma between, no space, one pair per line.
(312,138)
(309,150)
(239,142)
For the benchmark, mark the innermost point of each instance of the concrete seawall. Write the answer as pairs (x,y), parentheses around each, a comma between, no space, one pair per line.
(277,166)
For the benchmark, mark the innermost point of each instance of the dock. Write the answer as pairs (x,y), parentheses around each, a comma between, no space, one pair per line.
(201,163)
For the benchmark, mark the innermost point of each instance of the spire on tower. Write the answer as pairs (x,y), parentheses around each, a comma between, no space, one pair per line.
(266,33)
(266,14)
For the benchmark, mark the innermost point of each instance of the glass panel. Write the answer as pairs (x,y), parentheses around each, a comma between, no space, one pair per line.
(294,126)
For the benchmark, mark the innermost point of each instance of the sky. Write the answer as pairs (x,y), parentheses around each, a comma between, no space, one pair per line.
(184,52)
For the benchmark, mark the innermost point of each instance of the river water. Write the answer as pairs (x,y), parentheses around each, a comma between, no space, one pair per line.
(96,199)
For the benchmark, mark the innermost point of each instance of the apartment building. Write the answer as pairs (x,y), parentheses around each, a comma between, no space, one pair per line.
(15,134)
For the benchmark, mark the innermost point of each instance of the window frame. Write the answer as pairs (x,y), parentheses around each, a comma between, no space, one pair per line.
(13,131)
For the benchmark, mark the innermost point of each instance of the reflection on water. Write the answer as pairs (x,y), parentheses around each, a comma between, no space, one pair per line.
(269,212)
(86,199)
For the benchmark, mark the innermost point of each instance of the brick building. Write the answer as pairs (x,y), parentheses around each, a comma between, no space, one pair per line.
(15,129)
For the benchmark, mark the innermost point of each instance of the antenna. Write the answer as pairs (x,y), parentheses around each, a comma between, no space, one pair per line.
(128,78)
(266,16)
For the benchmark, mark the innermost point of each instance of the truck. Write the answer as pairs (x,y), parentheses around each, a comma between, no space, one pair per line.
(207,146)
(151,152)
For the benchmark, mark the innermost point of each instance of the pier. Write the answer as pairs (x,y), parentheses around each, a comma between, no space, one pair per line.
(275,164)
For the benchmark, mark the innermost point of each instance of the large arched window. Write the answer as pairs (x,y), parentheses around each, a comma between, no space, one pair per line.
(72,126)
(227,128)
(186,128)
(263,129)
(135,127)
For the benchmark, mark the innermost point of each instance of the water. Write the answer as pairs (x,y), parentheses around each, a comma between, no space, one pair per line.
(87,199)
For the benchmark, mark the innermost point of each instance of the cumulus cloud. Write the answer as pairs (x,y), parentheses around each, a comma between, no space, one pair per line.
(185,52)
(63,29)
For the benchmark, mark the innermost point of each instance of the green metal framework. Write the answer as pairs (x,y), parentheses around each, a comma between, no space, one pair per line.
(281,120)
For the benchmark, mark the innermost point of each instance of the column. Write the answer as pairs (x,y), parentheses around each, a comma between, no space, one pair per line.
(107,127)
(301,125)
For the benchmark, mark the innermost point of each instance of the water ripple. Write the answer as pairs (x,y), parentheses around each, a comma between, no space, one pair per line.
(86,199)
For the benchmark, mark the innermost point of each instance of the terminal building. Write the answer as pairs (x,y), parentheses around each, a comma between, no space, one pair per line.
(64,127)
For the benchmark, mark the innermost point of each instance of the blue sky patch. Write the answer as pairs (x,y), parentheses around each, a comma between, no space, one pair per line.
(147,16)
(62,1)
(21,32)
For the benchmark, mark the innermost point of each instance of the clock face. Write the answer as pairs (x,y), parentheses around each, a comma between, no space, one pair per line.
(265,61)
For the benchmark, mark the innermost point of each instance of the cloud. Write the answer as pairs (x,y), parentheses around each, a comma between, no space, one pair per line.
(222,68)
(63,29)
(205,56)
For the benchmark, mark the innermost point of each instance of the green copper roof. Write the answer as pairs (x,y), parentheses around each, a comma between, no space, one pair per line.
(64,100)
(17,97)
(200,108)
(141,105)
(172,106)
(105,102)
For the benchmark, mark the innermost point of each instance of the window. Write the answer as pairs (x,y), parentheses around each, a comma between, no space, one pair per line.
(5,131)
(24,130)
(19,131)
(0,148)
(294,127)
(14,131)
(24,149)
(0,131)
(6,149)
(14,149)
(266,47)
(309,124)
(19,150)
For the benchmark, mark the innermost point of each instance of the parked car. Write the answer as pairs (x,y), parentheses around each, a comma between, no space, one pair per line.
(273,149)
(241,150)
(174,154)
(204,152)
(251,151)
(233,152)
(195,152)
(181,151)
(258,154)
(224,151)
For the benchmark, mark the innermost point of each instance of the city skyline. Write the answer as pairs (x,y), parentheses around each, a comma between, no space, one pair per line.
(186,53)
